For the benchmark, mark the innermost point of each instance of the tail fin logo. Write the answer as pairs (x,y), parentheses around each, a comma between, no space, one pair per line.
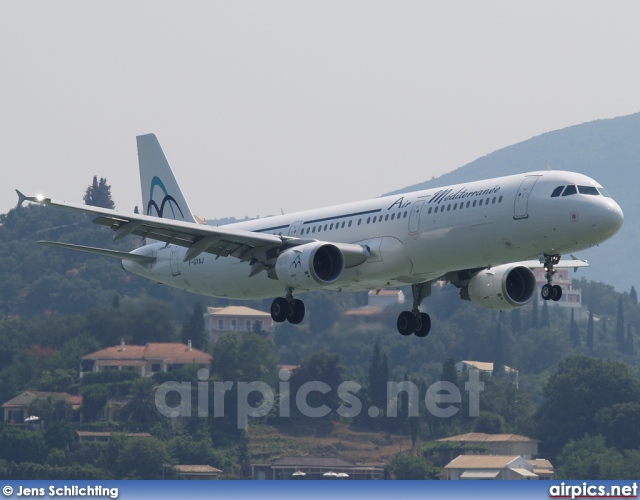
(167,199)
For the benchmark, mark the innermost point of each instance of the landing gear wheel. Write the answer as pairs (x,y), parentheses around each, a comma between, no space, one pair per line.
(279,309)
(422,325)
(556,293)
(547,291)
(295,311)
(406,322)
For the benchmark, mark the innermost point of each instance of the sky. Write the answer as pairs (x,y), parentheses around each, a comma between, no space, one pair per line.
(263,106)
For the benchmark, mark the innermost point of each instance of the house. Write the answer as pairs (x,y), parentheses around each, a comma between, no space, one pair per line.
(316,468)
(197,472)
(483,366)
(543,468)
(377,300)
(147,359)
(16,410)
(498,444)
(490,467)
(236,319)
(104,437)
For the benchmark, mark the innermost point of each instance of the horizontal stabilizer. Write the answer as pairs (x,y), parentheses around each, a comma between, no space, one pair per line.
(141,259)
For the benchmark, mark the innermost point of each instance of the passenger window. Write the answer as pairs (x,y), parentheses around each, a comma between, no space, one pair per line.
(493,201)
(590,190)
(468,203)
(342,225)
(557,191)
(331,226)
(350,223)
(430,209)
(569,191)
(314,229)
(455,205)
(359,221)
(448,207)
(386,217)
(405,215)
(480,204)
(393,215)
(474,203)
(500,200)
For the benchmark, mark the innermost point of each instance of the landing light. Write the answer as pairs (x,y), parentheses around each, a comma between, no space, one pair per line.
(39,197)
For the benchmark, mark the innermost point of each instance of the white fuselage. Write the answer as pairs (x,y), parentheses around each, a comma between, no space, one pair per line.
(414,237)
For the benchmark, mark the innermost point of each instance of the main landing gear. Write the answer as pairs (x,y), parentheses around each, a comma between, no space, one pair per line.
(549,290)
(414,321)
(287,308)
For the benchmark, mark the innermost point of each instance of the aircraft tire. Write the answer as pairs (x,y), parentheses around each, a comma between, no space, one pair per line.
(406,322)
(422,326)
(296,311)
(279,309)
(546,292)
(556,293)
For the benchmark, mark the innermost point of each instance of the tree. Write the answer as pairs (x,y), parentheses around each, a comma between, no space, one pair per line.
(193,328)
(534,312)
(409,466)
(141,409)
(544,321)
(628,342)
(620,425)
(633,294)
(590,333)
(581,388)
(498,353)
(516,321)
(98,194)
(143,458)
(589,458)
(574,332)
(620,325)
(377,378)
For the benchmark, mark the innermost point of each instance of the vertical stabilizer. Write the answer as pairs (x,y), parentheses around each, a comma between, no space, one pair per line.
(161,194)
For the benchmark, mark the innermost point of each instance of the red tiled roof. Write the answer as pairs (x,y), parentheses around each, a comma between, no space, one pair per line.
(153,351)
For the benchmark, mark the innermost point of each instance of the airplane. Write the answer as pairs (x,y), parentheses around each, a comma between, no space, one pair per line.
(484,237)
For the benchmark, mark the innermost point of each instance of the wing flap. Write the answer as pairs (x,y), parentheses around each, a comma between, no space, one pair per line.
(142,259)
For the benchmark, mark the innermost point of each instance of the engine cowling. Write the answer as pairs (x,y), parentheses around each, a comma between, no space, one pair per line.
(503,288)
(310,266)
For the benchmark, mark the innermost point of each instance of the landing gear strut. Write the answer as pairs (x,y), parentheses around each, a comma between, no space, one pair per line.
(414,321)
(287,308)
(549,290)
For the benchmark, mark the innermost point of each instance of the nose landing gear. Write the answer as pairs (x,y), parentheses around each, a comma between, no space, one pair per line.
(549,290)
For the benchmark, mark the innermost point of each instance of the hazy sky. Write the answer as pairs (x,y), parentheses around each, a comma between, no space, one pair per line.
(268,104)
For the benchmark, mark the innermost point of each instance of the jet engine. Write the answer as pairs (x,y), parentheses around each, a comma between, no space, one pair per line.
(503,288)
(310,266)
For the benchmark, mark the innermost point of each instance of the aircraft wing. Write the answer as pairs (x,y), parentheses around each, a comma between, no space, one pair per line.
(197,237)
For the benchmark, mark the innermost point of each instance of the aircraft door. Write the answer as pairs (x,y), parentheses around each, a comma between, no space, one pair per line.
(414,216)
(294,229)
(520,209)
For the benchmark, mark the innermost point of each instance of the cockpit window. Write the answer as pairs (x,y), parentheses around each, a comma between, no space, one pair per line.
(557,191)
(588,190)
(603,192)
(569,191)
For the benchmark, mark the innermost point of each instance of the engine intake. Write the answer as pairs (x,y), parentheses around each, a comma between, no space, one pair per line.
(310,266)
(503,288)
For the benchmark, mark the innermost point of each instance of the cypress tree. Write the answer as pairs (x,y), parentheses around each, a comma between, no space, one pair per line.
(633,294)
(590,333)
(498,354)
(544,323)
(629,347)
(620,325)
(574,332)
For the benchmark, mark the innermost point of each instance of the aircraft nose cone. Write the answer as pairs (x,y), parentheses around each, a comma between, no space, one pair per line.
(609,217)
